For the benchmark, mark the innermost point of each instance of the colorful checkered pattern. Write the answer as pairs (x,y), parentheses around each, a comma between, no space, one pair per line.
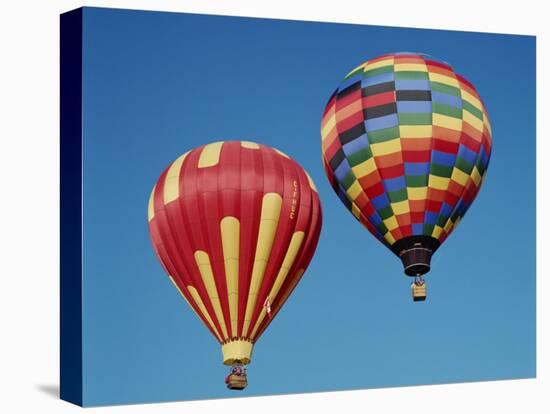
(406,143)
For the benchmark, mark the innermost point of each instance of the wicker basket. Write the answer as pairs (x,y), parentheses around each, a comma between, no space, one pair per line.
(418,292)
(237,382)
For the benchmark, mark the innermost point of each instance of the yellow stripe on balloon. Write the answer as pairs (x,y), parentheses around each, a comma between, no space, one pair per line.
(249,145)
(437,231)
(446,80)
(172,180)
(205,269)
(438,183)
(197,298)
(471,99)
(151,206)
(448,122)
(417,193)
(389,238)
(391,223)
(269,219)
(355,210)
(476,177)
(410,67)
(288,261)
(448,225)
(400,207)
(459,176)
(365,168)
(230,232)
(379,64)
(210,155)
(328,126)
(354,190)
(385,148)
(415,131)
(473,120)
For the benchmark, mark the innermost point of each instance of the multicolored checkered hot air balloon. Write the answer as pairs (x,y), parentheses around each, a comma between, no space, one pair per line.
(406,143)
(235,225)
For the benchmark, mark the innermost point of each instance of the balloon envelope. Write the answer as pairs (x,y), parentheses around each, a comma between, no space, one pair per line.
(406,142)
(235,225)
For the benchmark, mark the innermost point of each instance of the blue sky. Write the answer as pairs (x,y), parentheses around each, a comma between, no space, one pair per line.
(159,84)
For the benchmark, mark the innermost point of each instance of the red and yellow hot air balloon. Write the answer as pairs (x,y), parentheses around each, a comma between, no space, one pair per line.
(235,225)
(406,143)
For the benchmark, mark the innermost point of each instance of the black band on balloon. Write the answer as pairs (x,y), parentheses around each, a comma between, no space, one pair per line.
(416,253)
